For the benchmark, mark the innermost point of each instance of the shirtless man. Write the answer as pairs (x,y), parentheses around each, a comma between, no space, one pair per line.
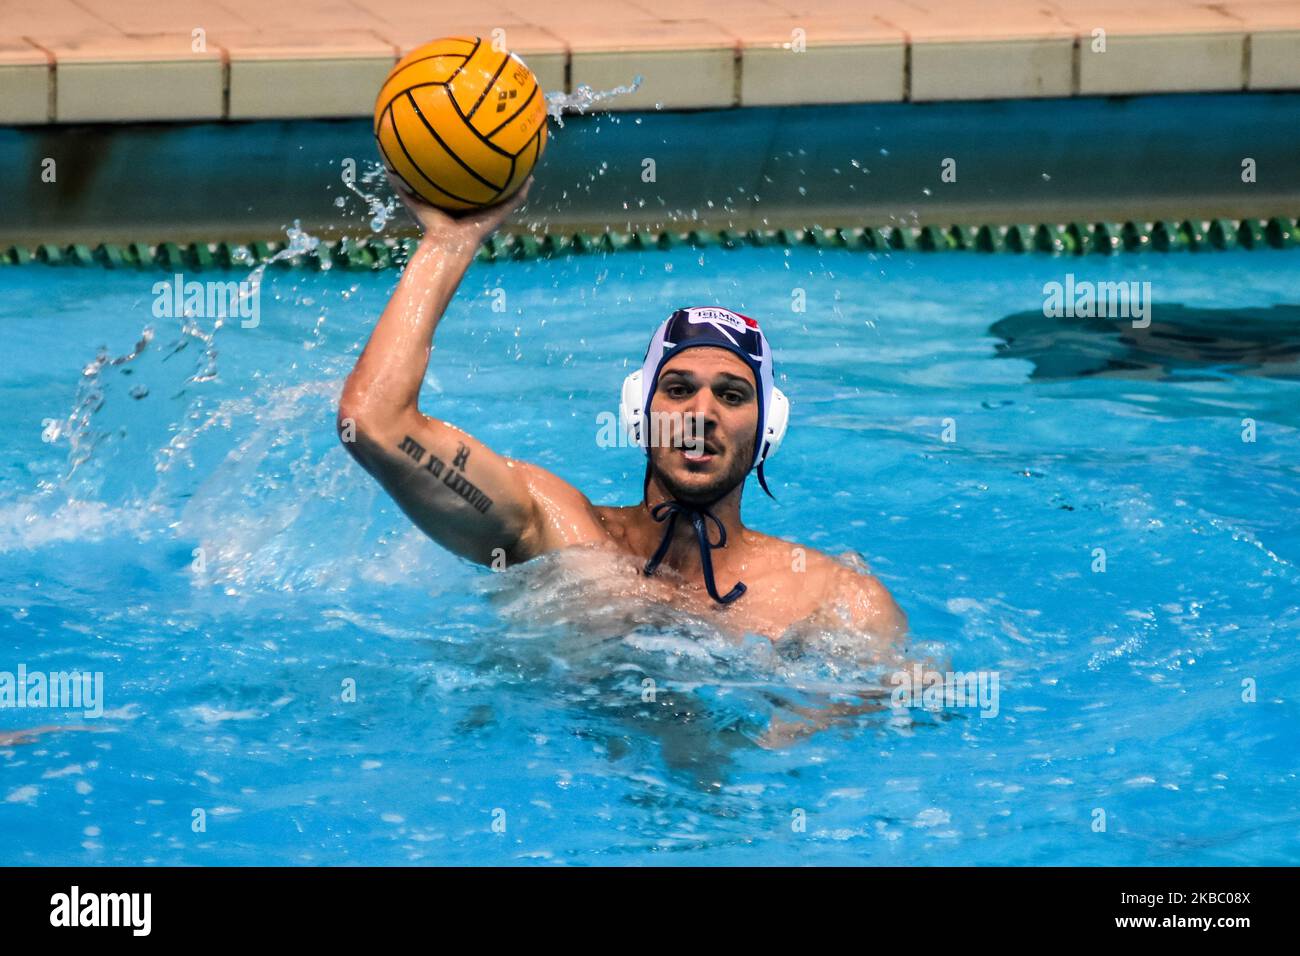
(708,374)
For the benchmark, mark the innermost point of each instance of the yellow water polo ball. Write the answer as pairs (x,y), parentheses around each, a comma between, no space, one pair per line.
(461,123)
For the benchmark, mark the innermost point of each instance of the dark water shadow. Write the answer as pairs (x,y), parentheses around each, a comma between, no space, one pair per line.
(1181,343)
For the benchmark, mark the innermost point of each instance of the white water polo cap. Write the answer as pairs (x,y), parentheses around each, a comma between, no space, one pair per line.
(713,327)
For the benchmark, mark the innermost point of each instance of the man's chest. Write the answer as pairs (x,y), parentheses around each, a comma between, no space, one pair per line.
(774,600)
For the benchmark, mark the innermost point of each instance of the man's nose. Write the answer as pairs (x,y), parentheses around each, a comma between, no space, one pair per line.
(701,418)
(704,405)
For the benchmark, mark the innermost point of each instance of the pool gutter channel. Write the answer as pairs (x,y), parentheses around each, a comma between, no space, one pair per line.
(371,254)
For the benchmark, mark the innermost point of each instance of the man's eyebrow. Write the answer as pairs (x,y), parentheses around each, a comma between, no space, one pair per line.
(735,379)
(689,376)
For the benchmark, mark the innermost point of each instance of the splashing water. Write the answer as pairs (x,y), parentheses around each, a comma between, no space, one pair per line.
(584,98)
(78,426)
(90,398)
(380,208)
(300,244)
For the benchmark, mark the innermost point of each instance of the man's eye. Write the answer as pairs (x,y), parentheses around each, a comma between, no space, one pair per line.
(735,398)
(676,391)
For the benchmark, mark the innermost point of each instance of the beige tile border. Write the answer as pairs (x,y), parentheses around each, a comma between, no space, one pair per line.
(683,64)
(1012,49)
(670,79)
(998,69)
(1139,51)
(1274,41)
(1275,61)
(830,73)
(793,60)
(26,83)
(316,75)
(87,62)
(1194,62)
(118,79)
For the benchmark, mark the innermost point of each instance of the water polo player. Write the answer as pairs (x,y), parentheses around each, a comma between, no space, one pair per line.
(707,374)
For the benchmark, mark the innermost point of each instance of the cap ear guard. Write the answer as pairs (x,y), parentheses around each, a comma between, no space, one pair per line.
(630,410)
(633,416)
(778,419)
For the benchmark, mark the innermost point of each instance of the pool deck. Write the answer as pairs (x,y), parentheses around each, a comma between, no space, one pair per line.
(89,61)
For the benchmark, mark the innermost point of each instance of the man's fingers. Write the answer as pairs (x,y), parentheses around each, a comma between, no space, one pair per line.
(490,217)
(474,223)
(522,195)
(398,184)
(509,205)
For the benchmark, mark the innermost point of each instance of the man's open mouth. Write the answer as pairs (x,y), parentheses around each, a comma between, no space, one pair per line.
(704,452)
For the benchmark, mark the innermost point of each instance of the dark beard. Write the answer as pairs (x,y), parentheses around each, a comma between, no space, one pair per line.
(709,494)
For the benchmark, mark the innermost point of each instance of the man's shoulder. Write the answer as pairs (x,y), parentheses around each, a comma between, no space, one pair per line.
(845,584)
(561,514)
(801,556)
(867,603)
(550,487)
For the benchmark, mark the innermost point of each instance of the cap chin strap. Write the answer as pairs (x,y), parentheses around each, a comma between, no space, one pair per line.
(699,328)
(668,511)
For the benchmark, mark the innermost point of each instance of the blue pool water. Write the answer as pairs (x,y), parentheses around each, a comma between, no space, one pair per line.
(1122,692)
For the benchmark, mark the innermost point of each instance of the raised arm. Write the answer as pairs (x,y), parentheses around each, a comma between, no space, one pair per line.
(466,497)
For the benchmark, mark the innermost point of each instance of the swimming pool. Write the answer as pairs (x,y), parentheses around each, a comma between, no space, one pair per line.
(482,734)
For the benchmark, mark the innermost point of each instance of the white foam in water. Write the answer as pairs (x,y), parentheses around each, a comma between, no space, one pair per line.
(25,524)
(249,524)
(591,609)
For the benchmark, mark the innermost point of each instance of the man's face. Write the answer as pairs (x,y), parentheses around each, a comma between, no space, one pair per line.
(704,419)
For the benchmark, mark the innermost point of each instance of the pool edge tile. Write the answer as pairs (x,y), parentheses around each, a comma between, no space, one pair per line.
(1274,60)
(26,83)
(677,79)
(823,74)
(1135,64)
(1020,68)
(318,76)
(135,79)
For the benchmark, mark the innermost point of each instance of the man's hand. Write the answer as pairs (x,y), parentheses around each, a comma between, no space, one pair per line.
(467,230)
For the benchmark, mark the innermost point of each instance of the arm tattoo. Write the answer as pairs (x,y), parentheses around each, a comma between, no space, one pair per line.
(453,477)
